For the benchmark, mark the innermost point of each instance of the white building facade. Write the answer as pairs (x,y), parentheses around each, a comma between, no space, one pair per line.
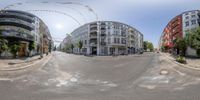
(26,29)
(107,38)
(190,21)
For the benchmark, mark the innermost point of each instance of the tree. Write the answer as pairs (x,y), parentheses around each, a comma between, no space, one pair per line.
(14,47)
(181,46)
(31,47)
(150,46)
(193,39)
(3,45)
(80,45)
(72,47)
(54,49)
(145,45)
(67,47)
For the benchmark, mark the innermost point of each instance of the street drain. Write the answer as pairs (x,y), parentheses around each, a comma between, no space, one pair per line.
(164,72)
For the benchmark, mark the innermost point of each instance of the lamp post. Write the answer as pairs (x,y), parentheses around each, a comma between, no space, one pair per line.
(41,54)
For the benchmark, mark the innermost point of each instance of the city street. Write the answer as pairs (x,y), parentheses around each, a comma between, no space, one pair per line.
(75,77)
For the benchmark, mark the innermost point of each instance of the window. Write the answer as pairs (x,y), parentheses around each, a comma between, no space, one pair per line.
(115,40)
(109,40)
(193,16)
(193,12)
(108,33)
(123,41)
(187,17)
(186,23)
(118,40)
(193,22)
(186,13)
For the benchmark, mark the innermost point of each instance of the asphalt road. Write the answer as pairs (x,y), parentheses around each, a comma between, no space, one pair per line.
(74,77)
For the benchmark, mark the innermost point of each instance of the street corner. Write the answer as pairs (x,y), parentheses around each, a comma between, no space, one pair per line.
(23,66)
(165,76)
(192,67)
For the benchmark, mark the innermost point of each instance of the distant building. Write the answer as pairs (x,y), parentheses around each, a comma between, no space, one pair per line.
(107,38)
(178,27)
(66,41)
(25,28)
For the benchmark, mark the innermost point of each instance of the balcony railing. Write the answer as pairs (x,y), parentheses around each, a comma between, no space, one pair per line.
(16,22)
(93,26)
(93,30)
(93,36)
(16,15)
(199,21)
(20,35)
(93,43)
(103,43)
(103,34)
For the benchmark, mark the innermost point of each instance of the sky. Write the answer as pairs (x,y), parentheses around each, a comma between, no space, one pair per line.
(148,16)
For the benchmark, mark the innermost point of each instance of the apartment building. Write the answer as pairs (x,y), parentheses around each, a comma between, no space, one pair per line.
(107,38)
(25,28)
(178,27)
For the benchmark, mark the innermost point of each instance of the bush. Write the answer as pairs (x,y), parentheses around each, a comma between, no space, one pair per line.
(198,52)
(181,59)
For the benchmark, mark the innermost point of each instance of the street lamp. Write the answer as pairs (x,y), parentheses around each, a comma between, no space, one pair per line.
(41,54)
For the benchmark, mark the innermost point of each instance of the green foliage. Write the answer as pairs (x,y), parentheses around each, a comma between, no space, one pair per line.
(31,46)
(67,48)
(3,44)
(148,45)
(193,39)
(181,44)
(14,47)
(181,59)
(145,45)
(80,44)
(198,52)
(72,47)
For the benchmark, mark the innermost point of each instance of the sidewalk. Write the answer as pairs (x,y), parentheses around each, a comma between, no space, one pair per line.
(13,68)
(191,63)
(14,64)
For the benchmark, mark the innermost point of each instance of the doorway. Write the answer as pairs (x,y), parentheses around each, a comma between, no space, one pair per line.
(22,50)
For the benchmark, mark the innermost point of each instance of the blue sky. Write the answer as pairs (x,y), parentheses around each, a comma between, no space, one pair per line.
(148,16)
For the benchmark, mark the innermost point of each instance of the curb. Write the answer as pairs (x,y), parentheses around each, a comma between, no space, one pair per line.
(185,66)
(26,66)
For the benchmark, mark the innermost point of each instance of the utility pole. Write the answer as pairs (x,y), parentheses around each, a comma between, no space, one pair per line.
(41,54)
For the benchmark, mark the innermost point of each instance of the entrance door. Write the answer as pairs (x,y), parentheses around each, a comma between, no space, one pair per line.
(94,50)
(22,50)
(112,50)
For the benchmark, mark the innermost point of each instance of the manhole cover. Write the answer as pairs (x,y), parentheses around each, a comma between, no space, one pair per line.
(164,72)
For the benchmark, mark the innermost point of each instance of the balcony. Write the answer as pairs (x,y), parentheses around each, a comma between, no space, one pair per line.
(199,20)
(103,24)
(94,29)
(19,35)
(103,43)
(18,16)
(93,42)
(103,34)
(93,35)
(103,28)
(20,12)
(16,22)
(93,26)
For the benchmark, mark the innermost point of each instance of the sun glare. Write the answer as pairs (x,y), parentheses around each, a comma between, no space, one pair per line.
(59,26)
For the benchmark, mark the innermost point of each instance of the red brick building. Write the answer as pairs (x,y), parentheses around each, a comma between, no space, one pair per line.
(171,32)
